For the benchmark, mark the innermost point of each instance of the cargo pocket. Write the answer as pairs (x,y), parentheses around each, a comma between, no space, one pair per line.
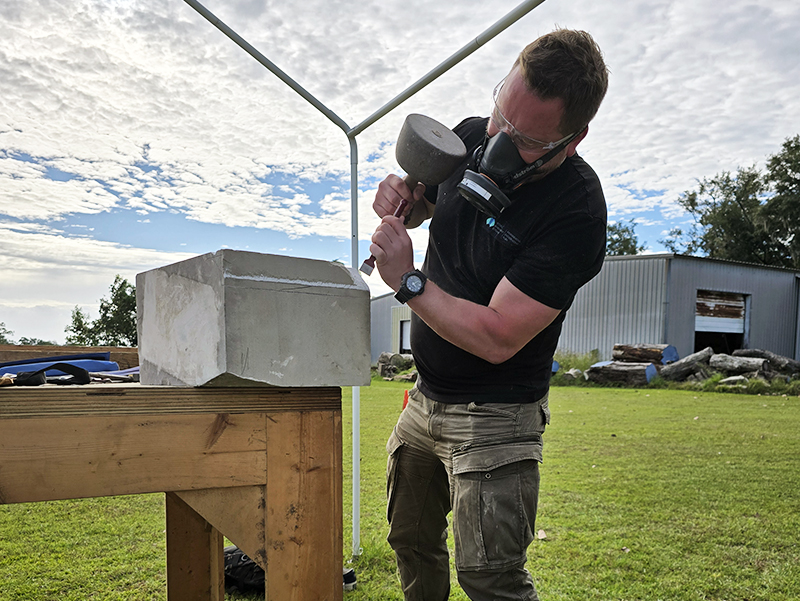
(494,502)
(393,446)
(544,407)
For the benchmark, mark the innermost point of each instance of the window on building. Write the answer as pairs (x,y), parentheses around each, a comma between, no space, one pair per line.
(405,336)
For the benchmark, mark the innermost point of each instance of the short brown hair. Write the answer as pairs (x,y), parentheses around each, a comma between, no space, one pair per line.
(566,64)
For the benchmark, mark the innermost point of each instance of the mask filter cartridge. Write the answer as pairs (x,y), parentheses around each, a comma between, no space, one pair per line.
(496,159)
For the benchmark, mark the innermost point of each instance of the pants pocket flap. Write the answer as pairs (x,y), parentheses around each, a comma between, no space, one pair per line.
(487,458)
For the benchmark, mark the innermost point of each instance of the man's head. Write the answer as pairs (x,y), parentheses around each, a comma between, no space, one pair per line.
(545,103)
(541,113)
(566,65)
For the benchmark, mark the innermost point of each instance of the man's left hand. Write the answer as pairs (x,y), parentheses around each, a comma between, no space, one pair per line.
(393,251)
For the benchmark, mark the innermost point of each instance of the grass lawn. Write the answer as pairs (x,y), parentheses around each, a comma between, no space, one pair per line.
(646,494)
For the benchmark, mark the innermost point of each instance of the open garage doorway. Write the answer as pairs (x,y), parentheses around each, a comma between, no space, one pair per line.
(721,321)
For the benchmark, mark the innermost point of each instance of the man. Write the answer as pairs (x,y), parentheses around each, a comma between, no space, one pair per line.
(515,232)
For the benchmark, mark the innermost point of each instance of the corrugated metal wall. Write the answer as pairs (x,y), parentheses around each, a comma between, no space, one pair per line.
(772,319)
(624,304)
(380,320)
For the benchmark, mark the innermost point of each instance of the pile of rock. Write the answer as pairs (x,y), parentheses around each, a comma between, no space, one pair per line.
(391,364)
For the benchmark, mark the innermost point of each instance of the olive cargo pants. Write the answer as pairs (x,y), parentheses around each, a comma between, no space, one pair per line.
(481,461)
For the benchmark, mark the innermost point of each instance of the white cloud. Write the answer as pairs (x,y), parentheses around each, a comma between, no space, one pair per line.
(144,105)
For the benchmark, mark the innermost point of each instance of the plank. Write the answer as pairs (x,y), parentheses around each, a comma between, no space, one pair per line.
(134,399)
(648,353)
(195,559)
(236,512)
(629,374)
(75,457)
(304,512)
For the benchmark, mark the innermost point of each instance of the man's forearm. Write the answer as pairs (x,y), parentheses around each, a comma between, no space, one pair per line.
(491,334)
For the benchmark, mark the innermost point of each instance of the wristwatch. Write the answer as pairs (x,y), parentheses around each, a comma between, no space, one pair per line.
(411,284)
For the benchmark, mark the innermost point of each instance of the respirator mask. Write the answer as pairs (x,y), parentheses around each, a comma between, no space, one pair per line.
(500,170)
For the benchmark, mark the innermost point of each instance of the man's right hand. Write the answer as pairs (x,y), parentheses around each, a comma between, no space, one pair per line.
(391,191)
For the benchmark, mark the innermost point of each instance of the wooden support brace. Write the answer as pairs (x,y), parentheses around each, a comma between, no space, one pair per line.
(195,561)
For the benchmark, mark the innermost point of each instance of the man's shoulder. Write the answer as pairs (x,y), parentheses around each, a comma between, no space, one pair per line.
(472,130)
(581,167)
(577,177)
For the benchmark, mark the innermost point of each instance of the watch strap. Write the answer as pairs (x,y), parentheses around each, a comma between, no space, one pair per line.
(404,295)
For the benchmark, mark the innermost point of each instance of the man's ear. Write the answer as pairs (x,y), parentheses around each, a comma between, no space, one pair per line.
(572,146)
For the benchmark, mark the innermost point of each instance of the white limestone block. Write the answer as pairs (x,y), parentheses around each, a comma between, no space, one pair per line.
(236,318)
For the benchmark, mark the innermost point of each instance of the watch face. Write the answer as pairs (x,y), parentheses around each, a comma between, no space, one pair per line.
(414,283)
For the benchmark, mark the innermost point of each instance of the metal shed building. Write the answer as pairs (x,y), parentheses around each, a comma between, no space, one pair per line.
(688,302)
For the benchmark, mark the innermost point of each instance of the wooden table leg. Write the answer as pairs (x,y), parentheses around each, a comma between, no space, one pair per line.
(303,530)
(195,561)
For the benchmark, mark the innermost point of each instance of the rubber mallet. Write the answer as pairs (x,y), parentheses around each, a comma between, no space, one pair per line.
(428,152)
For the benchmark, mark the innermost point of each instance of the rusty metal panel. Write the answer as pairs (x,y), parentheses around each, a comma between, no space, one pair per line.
(719,312)
(720,304)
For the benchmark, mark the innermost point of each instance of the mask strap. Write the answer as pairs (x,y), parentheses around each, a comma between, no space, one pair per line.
(513,180)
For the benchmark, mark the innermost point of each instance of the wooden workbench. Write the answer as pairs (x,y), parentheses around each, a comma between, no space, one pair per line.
(262,466)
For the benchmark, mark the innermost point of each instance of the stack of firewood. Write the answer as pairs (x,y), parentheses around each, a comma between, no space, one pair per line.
(750,363)
(638,364)
(633,364)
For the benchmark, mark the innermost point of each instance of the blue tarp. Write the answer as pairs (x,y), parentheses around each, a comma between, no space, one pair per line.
(101,356)
(91,365)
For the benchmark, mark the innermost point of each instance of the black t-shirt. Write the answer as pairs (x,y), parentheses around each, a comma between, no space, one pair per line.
(548,243)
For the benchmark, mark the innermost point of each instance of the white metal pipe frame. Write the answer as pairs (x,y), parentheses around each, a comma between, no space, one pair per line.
(509,19)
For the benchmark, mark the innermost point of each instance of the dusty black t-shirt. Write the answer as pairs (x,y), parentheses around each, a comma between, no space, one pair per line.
(548,243)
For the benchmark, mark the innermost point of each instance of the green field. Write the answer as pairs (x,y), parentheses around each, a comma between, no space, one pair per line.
(646,494)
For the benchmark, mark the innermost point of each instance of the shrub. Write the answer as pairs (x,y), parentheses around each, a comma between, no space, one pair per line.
(568,360)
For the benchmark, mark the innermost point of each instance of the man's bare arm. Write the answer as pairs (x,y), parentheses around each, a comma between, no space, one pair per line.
(495,332)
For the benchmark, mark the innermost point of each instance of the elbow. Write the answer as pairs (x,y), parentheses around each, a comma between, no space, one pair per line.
(498,345)
(498,353)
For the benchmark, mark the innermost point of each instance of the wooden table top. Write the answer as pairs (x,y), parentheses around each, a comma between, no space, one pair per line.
(50,400)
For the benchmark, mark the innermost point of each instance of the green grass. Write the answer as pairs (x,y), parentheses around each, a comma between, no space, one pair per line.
(111,548)
(646,494)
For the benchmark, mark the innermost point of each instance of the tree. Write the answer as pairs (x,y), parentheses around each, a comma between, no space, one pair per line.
(116,325)
(25,341)
(5,334)
(782,212)
(748,216)
(621,239)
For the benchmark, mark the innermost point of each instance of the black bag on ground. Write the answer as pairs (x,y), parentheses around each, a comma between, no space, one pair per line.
(241,571)
(246,575)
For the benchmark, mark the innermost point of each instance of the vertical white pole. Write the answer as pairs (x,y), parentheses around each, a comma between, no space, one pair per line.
(356,471)
(356,389)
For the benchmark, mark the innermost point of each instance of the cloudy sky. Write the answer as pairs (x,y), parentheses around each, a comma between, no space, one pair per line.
(134,134)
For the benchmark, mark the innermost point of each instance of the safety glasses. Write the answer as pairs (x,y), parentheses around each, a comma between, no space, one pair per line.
(521,141)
